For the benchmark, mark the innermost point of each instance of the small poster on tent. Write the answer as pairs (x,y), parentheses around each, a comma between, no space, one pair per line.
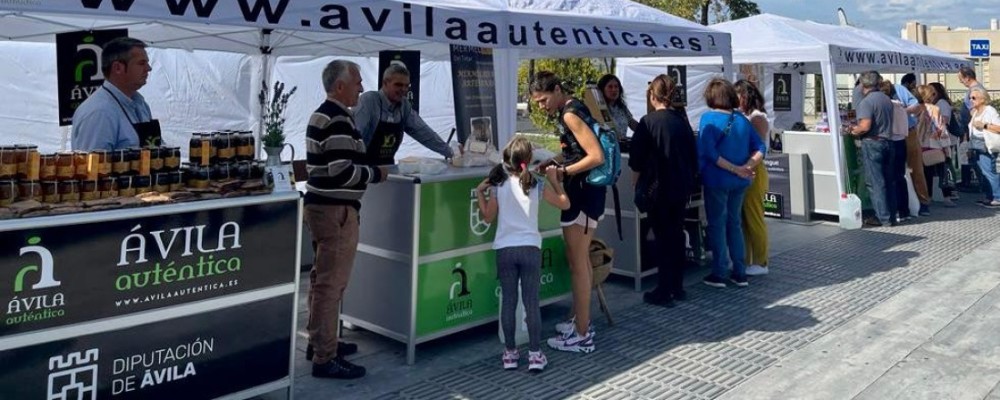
(409,59)
(78,67)
(680,76)
(782,92)
(475,91)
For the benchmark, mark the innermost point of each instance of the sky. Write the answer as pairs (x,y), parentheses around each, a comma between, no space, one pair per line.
(889,16)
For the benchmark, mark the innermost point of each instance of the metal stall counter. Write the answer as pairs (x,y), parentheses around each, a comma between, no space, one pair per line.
(425,267)
(161,302)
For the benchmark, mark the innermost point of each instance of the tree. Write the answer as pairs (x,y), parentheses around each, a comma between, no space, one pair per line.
(699,10)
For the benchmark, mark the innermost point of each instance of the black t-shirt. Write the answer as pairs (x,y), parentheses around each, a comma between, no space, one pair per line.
(664,140)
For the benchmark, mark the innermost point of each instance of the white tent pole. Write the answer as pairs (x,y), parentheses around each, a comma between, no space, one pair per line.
(833,117)
(505,71)
(727,65)
(265,81)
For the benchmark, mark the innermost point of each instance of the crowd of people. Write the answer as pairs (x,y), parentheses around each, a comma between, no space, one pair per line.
(902,126)
(913,131)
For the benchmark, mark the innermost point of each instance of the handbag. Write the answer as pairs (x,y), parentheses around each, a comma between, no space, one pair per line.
(933,157)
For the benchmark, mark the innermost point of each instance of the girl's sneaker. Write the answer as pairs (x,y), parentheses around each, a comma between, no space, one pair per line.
(510,358)
(536,361)
(573,342)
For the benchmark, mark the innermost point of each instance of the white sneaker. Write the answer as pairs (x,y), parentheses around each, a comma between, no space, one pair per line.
(573,343)
(564,328)
(756,270)
(510,358)
(536,361)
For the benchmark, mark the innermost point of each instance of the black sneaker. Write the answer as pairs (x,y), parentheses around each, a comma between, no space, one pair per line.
(657,299)
(739,281)
(925,211)
(338,368)
(713,281)
(872,222)
(344,349)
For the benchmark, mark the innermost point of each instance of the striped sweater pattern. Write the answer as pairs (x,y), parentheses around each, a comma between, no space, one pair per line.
(336,159)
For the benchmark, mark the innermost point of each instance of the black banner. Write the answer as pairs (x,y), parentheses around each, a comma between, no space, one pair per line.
(777,200)
(782,92)
(411,60)
(195,357)
(68,274)
(78,67)
(475,96)
(680,76)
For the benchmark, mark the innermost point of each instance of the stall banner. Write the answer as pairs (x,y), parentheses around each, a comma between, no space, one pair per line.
(464,289)
(475,93)
(200,356)
(679,74)
(450,217)
(78,67)
(72,273)
(782,92)
(409,59)
(778,198)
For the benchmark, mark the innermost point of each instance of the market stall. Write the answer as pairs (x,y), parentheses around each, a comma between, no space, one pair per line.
(515,29)
(778,52)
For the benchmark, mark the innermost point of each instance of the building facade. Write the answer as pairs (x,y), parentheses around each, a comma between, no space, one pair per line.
(957,41)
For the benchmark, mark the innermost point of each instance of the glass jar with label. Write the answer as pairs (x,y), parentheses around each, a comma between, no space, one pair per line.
(142,184)
(69,191)
(107,188)
(176,180)
(224,172)
(47,167)
(155,160)
(50,191)
(64,166)
(171,158)
(103,160)
(225,146)
(27,159)
(134,160)
(29,190)
(81,165)
(8,162)
(125,186)
(199,176)
(119,162)
(244,146)
(257,169)
(8,192)
(161,182)
(88,190)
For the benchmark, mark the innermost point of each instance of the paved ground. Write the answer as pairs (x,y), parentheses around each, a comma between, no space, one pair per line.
(908,312)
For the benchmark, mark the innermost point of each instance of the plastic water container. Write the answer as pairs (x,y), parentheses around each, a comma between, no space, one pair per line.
(850,211)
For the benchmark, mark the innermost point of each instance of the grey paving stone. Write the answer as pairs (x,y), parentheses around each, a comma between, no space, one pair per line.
(930,376)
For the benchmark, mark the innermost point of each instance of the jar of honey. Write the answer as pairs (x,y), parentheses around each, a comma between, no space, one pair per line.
(27,161)
(29,190)
(244,146)
(8,192)
(88,191)
(47,167)
(225,146)
(65,167)
(156,159)
(107,188)
(50,191)
(103,160)
(8,162)
(161,182)
(69,191)
(134,160)
(224,172)
(82,165)
(125,188)
(176,181)
(142,184)
(199,176)
(171,158)
(119,162)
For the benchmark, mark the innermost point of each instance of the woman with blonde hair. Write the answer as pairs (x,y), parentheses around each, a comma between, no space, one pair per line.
(984,132)
(934,138)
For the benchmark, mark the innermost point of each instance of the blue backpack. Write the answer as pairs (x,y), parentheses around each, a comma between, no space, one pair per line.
(606,174)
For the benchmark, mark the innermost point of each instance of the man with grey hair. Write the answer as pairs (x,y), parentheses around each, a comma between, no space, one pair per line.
(117,116)
(874,128)
(383,115)
(338,176)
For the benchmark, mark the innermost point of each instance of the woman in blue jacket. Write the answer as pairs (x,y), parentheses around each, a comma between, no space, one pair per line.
(728,151)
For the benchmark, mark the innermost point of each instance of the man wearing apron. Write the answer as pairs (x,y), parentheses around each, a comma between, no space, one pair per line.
(116,116)
(383,115)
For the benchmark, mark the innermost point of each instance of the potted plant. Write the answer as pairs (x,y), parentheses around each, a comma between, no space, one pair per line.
(273,107)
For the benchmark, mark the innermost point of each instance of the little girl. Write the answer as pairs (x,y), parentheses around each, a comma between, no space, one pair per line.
(518,243)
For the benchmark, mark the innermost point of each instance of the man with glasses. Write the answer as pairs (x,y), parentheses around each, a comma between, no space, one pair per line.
(116,116)
(383,115)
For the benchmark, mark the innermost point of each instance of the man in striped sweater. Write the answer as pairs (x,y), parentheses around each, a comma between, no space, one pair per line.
(338,176)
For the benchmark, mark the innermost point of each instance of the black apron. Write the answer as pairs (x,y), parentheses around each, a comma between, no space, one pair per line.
(385,142)
(149,132)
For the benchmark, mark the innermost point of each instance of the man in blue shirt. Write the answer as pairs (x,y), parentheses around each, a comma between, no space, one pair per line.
(914,157)
(115,116)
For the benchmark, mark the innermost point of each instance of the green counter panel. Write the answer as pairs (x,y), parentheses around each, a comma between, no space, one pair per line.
(449,217)
(464,289)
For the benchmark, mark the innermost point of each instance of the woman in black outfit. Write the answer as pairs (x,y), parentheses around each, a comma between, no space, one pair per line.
(663,149)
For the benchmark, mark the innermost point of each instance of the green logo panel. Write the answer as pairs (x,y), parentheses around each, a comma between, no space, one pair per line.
(464,289)
(450,218)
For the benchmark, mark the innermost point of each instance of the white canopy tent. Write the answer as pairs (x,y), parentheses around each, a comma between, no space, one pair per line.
(361,28)
(800,47)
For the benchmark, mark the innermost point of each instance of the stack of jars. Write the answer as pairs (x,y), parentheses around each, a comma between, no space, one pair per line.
(217,156)
(81,176)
